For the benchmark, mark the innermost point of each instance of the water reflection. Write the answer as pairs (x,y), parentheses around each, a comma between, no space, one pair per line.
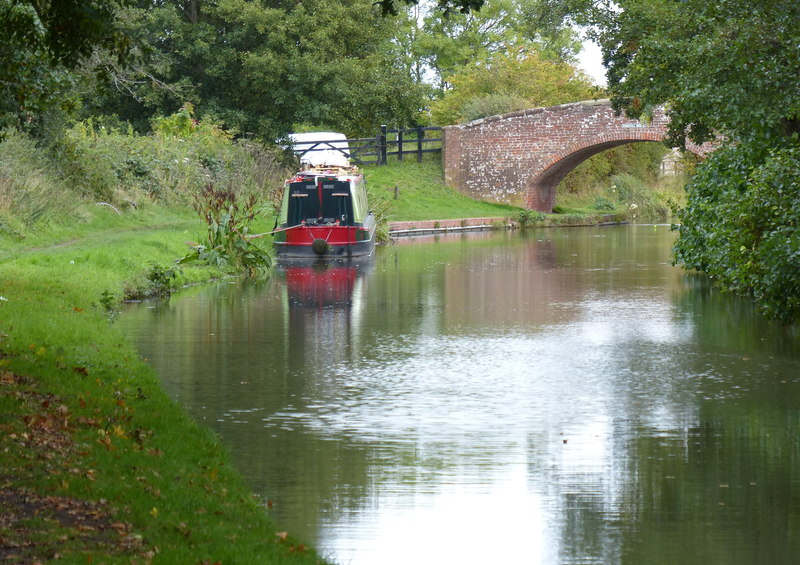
(562,397)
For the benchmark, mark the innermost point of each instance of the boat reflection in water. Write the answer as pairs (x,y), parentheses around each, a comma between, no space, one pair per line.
(325,300)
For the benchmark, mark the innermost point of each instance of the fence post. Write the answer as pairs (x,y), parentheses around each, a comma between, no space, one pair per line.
(420,133)
(399,144)
(382,146)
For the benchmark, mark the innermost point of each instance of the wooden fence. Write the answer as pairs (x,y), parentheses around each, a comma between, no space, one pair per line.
(377,150)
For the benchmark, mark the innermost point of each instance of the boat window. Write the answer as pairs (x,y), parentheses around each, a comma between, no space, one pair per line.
(303,202)
(337,203)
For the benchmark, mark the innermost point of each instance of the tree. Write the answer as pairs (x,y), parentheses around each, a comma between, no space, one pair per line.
(445,42)
(446,6)
(260,67)
(724,70)
(508,81)
(40,42)
(725,67)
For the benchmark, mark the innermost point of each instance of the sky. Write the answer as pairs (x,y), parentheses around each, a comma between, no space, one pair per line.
(590,61)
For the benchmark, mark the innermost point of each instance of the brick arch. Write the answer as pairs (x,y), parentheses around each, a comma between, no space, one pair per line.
(540,194)
(520,158)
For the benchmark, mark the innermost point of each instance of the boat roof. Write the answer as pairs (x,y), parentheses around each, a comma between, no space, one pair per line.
(350,171)
(322,148)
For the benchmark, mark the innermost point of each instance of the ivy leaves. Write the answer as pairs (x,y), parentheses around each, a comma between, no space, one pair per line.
(741,225)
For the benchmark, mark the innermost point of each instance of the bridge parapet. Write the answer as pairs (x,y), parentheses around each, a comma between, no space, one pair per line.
(519,158)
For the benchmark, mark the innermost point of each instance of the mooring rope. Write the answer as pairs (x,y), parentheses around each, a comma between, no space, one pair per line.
(257,235)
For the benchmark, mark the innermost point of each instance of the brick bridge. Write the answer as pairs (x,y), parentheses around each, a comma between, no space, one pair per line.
(521,157)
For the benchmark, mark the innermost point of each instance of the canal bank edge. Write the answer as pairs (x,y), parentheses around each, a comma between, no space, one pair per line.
(97,462)
(426,227)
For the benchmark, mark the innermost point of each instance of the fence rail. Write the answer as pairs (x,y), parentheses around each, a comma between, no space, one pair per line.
(377,150)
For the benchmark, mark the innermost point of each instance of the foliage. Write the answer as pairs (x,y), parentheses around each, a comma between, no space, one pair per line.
(723,70)
(170,166)
(724,67)
(40,42)
(638,200)
(31,192)
(493,104)
(526,218)
(721,67)
(742,225)
(100,163)
(228,215)
(162,279)
(624,179)
(445,43)
(518,73)
(379,205)
(259,67)
(603,204)
(642,160)
(448,6)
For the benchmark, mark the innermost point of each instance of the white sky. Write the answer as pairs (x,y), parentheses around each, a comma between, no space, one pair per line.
(590,61)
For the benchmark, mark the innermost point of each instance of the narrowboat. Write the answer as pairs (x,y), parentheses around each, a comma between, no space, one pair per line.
(325,214)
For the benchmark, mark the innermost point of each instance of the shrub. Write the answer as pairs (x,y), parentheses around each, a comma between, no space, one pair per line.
(603,204)
(493,105)
(31,190)
(527,218)
(640,201)
(741,224)
(170,166)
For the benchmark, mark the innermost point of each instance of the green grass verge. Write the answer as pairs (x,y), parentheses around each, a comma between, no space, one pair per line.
(97,464)
(422,194)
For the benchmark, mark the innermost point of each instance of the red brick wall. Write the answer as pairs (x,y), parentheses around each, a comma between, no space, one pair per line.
(520,158)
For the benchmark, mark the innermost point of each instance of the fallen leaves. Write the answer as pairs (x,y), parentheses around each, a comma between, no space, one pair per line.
(36,528)
(284,537)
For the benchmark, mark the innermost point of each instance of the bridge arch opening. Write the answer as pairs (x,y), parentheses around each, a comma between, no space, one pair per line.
(541,192)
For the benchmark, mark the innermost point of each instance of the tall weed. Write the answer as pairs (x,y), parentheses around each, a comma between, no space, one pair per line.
(100,161)
(641,202)
(31,191)
(228,243)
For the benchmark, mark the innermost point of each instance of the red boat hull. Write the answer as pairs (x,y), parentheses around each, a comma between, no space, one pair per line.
(326,241)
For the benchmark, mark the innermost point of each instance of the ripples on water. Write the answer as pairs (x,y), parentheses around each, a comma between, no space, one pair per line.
(566,397)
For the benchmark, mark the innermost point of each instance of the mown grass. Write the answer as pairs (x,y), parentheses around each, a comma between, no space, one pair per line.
(84,419)
(423,195)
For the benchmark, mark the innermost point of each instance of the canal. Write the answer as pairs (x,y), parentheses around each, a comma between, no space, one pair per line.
(555,396)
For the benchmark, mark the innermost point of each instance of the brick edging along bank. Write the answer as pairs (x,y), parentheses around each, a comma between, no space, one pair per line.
(433,224)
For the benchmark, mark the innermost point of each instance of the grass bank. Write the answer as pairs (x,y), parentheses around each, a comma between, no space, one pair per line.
(411,191)
(98,464)
(421,193)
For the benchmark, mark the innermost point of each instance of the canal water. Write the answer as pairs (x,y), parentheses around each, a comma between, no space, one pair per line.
(556,396)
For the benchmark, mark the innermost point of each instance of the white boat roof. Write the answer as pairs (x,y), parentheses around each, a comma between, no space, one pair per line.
(331,148)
